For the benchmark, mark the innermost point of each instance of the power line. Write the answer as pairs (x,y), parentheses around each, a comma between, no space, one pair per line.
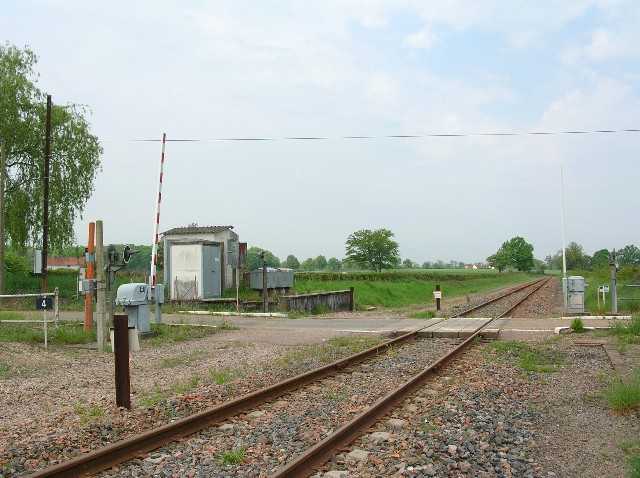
(390,136)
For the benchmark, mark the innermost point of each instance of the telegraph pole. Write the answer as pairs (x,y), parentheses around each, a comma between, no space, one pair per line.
(45,214)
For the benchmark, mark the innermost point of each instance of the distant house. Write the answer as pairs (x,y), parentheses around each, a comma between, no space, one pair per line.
(478,265)
(70,263)
(200,262)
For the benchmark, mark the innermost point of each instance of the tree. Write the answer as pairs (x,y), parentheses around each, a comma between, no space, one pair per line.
(334,264)
(320,263)
(307,264)
(515,252)
(575,257)
(540,266)
(499,260)
(629,255)
(407,264)
(254,258)
(372,249)
(599,258)
(291,263)
(74,163)
(552,262)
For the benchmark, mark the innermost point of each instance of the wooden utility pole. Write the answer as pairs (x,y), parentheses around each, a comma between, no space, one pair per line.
(2,173)
(45,213)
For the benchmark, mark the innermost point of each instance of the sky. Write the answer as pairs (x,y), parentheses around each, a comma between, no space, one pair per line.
(453,74)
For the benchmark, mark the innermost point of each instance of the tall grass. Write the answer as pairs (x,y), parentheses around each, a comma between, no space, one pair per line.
(623,397)
(33,333)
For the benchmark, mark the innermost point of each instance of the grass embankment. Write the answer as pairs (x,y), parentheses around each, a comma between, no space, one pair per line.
(30,329)
(392,290)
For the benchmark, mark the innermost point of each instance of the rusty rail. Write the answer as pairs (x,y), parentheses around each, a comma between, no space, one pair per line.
(484,304)
(533,291)
(139,445)
(310,461)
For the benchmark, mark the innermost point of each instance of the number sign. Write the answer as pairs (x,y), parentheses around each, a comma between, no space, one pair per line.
(44,303)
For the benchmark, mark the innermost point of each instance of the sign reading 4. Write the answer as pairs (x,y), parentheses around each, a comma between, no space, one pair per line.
(44,303)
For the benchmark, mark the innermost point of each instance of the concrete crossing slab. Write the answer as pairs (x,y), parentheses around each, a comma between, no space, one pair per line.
(454,328)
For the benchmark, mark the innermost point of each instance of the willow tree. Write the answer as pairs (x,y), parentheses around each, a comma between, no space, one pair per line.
(75,154)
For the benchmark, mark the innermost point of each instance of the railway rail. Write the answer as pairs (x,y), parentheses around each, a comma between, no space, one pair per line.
(306,461)
(505,304)
(140,445)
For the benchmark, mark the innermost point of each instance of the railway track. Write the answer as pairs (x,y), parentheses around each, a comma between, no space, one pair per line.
(409,360)
(139,446)
(504,305)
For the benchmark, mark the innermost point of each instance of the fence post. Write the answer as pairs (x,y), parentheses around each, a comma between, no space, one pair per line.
(121,352)
(352,303)
(56,307)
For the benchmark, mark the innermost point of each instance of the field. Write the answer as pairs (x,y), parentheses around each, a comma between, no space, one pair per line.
(389,289)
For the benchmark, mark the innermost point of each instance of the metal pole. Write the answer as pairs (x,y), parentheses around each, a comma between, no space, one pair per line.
(100,287)
(154,250)
(2,173)
(564,256)
(121,352)
(265,297)
(88,299)
(45,213)
(438,297)
(112,292)
(614,282)
(44,325)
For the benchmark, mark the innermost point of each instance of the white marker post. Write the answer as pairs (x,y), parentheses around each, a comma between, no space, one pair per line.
(44,303)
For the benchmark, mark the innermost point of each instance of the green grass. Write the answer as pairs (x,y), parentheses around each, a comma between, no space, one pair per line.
(86,415)
(156,395)
(428,314)
(163,334)
(626,333)
(355,344)
(401,289)
(528,358)
(187,385)
(67,333)
(5,370)
(623,397)
(225,375)
(577,325)
(234,456)
(631,449)
(171,362)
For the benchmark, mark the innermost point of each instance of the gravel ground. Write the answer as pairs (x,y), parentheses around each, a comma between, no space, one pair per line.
(485,418)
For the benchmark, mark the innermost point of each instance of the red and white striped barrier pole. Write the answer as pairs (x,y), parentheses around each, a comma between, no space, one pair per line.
(154,250)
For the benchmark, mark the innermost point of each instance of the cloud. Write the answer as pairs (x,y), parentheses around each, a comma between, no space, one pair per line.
(606,44)
(423,39)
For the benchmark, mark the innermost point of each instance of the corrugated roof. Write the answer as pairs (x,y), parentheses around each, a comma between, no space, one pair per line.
(196,230)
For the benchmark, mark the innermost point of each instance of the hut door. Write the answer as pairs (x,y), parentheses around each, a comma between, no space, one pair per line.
(211,271)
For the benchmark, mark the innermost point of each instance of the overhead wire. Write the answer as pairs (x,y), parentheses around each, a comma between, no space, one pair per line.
(389,136)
